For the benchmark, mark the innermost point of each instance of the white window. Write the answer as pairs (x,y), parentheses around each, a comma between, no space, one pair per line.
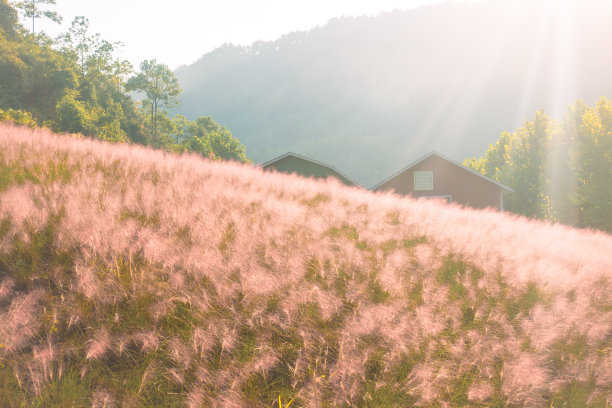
(423,180)
(448,198)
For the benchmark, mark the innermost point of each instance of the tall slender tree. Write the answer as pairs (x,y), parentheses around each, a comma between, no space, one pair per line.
(33,9)
(160,87)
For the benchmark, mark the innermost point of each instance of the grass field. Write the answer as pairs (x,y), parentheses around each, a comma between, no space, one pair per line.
(135,278)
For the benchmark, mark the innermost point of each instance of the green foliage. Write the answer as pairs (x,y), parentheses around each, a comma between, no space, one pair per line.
(76,84)
(207,138)
(317,199)
(73,116)
(161,88)
(259,388)
(383,386)
(450,273)
(594,167)
(578,394)
(17,117)
(64,391)
(567,348)
(412,242)
(247,345)
(8,19)
(377,293)
(525,301)
(558,170)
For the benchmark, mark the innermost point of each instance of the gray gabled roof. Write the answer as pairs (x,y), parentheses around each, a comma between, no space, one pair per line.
(434,153)
(299,156)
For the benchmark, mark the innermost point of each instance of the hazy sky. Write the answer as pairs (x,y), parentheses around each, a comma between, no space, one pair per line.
(178,32)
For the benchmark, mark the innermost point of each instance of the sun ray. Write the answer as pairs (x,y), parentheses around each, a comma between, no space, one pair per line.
(480,80)
(545,19)
(563,92)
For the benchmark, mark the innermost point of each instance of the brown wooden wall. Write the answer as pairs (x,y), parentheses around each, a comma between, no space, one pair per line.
(306,168)
(448,179)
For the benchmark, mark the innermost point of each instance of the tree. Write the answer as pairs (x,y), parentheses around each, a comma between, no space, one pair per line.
(594,167)
(8,19)
(560,171)
(31,9)
(223,144)
(208,138)
(17,117)
(519,161)
(493,162)
(74,117)
(160,87)
(563,163)
(78,41)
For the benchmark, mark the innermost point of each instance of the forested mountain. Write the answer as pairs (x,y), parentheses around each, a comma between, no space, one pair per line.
(370,94)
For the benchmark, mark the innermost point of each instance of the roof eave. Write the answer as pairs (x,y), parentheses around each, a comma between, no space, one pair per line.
(299,156)
(432,153)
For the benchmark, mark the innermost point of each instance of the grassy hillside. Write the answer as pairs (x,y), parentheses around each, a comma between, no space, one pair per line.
(131,277)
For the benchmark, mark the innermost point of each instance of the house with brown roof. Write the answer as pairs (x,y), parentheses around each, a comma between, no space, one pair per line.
(437,176)
(305,166)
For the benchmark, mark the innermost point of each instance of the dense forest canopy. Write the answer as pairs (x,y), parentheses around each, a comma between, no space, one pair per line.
(371,94)
(75,83)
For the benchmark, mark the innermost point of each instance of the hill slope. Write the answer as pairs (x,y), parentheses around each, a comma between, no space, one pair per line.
(131,277)
(371,94)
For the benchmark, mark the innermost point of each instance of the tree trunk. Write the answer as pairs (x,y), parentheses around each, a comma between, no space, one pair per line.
(154,119)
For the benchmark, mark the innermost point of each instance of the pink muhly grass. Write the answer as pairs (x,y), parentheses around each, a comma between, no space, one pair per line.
(99,345)
(175,376)
(160,309)
(266,361)
(232,245)
(480,391)
(21,322)
(423,383)
(180,353)
(228,337)
(98,285)
(148,340)
(258,281)
(102,399)
(146,375)
(393,273)
(328,303)
(524,379)
(428,323)
(6,288)
(195,398)
(45,356)
(230,399)
(88,281)
(202,341)
(17,205)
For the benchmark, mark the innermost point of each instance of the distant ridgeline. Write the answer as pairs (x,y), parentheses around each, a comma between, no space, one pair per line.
(370,94)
